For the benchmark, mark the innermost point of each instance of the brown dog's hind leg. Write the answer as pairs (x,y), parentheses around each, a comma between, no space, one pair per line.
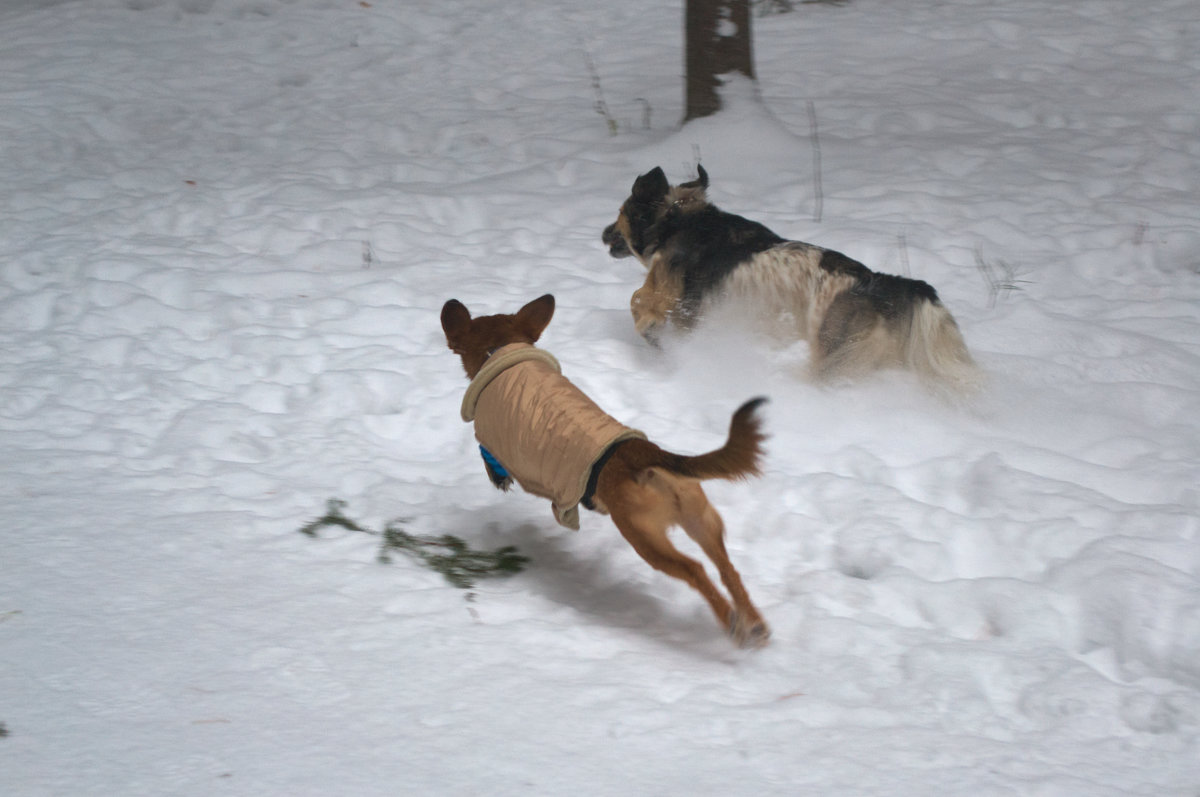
(646,505)
(643,513)
(704,525)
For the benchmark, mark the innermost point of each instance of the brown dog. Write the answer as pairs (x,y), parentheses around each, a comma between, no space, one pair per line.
(539,428)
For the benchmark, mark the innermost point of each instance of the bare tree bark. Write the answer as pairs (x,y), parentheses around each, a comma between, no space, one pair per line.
(717,42)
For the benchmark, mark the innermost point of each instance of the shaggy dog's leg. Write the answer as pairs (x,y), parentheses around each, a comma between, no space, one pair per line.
(655,302)
(852,340)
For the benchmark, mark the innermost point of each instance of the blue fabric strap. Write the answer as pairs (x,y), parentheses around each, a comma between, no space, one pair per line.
(493,464)
(495,471)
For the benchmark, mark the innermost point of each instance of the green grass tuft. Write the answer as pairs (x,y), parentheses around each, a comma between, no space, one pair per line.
(449,555)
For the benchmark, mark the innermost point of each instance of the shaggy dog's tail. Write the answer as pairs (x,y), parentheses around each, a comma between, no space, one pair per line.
(935,349)
(739,458)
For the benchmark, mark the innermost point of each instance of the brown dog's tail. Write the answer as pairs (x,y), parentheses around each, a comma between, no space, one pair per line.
(739,458)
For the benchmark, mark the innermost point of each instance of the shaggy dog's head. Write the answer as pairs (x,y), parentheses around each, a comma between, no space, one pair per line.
(652,198)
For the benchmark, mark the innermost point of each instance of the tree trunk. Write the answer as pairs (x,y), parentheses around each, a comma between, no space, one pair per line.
(716,42)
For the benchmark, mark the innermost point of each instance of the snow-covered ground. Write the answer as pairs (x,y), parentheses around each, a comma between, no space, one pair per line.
(227,228)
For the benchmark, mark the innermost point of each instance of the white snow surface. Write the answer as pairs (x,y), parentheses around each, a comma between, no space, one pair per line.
(227,228)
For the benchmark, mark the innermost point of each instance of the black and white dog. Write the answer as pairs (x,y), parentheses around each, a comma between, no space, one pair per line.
(854,319)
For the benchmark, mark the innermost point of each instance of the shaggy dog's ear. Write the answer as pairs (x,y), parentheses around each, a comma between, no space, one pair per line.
(700,182)
(533,317)
(456,320)
(651,186)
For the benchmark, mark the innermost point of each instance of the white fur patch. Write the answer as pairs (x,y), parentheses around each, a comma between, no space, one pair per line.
(788,287)
(785,290)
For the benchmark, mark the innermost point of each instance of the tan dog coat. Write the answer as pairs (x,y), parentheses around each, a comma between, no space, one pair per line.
(545,431)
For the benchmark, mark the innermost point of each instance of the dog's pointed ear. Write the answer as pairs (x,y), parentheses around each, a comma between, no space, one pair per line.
(533,317)
(700,182)
(456,320)
(652,185)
